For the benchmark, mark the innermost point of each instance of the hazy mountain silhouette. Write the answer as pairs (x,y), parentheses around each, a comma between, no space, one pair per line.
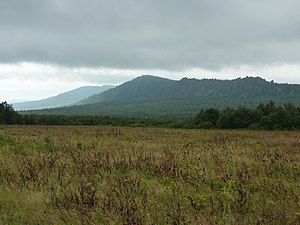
(64,99)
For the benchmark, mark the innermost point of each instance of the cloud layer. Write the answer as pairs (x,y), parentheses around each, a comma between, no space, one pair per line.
(171,35)
(50,46)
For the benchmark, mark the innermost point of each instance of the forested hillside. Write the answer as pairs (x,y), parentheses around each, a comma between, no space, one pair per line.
(155,97)
(141,89)
(155,89)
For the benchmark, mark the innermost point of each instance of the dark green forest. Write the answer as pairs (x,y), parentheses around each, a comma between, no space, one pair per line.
(267,116)
(8,115)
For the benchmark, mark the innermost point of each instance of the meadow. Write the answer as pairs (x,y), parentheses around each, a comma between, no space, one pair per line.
(122,175)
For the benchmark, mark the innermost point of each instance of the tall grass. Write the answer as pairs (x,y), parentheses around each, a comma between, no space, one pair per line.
(110,175)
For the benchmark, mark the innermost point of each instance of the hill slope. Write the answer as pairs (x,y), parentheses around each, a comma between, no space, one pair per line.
(64,99)
(155,89)
(149,96)
(144,88)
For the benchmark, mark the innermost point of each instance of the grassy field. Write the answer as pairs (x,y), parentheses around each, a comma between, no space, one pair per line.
(112,175)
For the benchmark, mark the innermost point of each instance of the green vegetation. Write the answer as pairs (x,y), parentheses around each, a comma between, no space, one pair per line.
(8,115)
(156,89)
(264,117)
(98,120)
(164,109)
(155,97)
(115,175)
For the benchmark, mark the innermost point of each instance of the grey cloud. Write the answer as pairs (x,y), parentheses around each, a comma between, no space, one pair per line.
(163,34)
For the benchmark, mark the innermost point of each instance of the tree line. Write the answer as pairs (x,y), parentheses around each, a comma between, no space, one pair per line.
(8,114)
(267,116)
(264,117)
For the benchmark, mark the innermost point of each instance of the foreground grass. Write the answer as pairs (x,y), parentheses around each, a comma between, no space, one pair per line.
(106,175)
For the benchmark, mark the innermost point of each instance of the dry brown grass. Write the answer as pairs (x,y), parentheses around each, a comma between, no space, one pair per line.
(112,175)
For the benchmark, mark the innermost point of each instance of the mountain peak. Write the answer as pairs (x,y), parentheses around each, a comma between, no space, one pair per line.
(149,77)
(257,78)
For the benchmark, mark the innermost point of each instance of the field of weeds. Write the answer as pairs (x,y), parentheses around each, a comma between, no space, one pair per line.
(112,175)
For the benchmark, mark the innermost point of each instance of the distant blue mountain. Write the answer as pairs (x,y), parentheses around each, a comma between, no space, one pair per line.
(65,99)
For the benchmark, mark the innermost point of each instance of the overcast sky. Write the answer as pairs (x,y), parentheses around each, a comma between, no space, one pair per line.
(51,46)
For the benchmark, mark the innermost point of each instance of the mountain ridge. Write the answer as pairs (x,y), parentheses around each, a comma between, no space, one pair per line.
(64,99)
(145,88)
(155,97)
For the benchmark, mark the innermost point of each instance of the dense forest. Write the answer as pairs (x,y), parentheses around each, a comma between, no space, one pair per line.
(8,115)
(267,116)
